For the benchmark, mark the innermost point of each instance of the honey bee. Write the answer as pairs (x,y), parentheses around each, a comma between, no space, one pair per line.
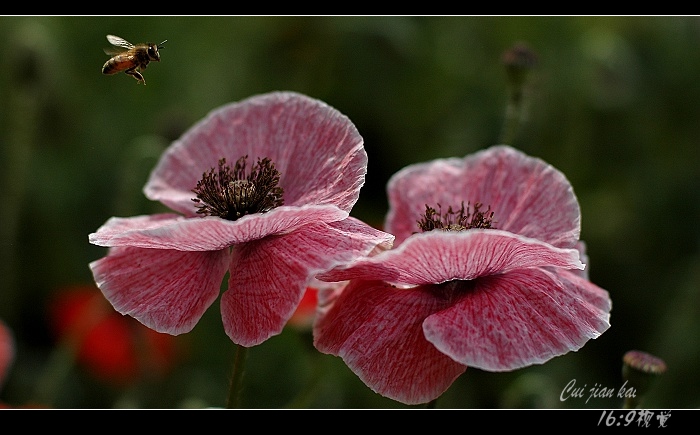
(130,58)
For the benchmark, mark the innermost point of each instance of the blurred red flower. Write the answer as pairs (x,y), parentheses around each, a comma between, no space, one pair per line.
(113,347)
(7,351)
(303,317)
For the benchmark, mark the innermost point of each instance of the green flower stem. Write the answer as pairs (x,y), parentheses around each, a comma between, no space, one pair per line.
(513,117)
(234,393)
(518,61)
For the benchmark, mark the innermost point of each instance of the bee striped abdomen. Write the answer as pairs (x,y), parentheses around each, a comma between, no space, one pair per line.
(117,64)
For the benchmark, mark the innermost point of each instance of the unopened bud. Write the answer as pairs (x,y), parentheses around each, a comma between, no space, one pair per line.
(519,60)
(640,370)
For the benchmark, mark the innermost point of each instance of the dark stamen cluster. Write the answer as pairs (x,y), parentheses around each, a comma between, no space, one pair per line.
(229,193)
(451,220)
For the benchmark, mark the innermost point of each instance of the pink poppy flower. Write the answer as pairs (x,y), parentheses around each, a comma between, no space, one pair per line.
(271,221)
(485,272)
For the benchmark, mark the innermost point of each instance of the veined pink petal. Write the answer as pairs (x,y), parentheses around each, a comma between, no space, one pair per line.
(268,277)
(377,330)
(581,246)
(317,150)
(170,231)
(439,256)
(527,195)
(7,351)
(505,322)
(166,290)
(580,286)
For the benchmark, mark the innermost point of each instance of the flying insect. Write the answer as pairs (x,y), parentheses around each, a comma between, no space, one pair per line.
(130,58)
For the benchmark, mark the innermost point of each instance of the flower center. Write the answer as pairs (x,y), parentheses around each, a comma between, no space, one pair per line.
(229,193)
(459,220)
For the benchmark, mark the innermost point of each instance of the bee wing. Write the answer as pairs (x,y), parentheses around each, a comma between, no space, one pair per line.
(119,42)
(113,51)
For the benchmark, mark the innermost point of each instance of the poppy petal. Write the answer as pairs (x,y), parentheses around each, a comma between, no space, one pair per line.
(440,256)
(525,317)
(317,150)
(166,290)
(170,231)
(377,330)
(527,195)
(268,277)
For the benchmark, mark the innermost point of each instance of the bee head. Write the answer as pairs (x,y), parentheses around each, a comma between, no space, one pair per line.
(153,51)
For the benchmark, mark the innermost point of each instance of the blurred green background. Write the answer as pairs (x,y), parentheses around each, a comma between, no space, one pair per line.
(614,103)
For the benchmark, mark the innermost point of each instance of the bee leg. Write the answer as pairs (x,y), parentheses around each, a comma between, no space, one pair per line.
(137,75)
